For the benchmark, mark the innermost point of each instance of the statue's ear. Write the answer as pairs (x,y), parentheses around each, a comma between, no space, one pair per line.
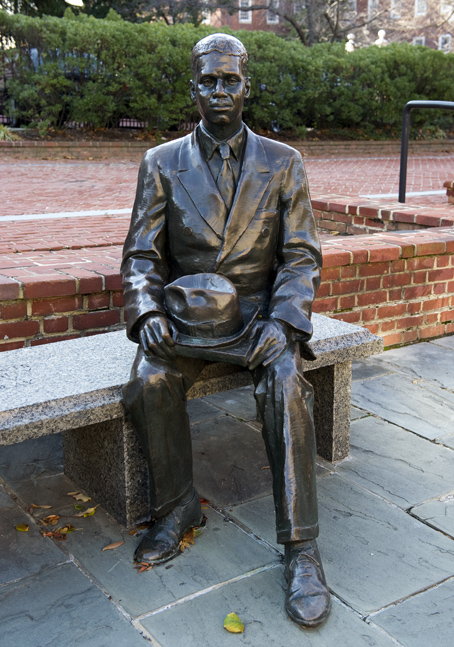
(247,85)
(192,86)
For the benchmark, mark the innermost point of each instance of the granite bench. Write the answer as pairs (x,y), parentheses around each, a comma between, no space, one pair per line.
(74,387)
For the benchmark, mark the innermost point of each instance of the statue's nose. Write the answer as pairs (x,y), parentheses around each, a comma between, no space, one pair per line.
(219,87)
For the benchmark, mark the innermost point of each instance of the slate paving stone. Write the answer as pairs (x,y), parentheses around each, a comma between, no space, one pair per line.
(46,490)
(237,402)
(31,458)
(364,369)
(357,413)
(446,342)
(23,553)
(424,361)
(62,607)
(259,602)
(422,408)
(438,513)
(373,553)
(199,410)
(229,457)
(395,464)
(221,552)
(5,500)
(448,440)
(425,620)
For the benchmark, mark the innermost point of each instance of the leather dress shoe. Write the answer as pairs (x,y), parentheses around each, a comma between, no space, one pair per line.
(307,599)
(162,541)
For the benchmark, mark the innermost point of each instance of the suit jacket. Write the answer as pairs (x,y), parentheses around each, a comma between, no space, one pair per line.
(269,247)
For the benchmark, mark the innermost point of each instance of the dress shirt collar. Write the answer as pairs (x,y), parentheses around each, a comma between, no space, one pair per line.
(209,143)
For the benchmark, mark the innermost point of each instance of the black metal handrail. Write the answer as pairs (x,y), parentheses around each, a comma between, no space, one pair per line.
(442,105)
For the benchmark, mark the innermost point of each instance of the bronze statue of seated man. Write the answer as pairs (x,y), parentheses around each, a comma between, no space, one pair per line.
(222,263)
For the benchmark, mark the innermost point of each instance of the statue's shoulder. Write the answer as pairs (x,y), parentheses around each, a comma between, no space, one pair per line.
(278,150)
(165,152)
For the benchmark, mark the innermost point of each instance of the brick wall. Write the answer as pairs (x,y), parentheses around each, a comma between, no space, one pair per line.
(362,216)
(399,285)
(134,150)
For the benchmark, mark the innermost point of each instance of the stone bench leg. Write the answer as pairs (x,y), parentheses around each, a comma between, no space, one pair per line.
(332,387)
(106,461)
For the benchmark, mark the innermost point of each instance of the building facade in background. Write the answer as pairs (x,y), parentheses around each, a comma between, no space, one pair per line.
(419,22)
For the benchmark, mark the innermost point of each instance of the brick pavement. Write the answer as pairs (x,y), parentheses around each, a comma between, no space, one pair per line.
(37,186)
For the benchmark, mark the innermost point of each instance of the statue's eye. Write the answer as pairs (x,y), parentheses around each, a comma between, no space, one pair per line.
(232,80)
(207,83)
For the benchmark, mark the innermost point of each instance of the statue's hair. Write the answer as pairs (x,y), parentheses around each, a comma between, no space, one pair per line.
(222,43)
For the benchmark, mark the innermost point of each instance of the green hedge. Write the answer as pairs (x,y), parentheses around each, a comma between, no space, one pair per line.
(85,70)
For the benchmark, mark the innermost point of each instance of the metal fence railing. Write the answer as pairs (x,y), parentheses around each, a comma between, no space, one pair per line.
(441,105)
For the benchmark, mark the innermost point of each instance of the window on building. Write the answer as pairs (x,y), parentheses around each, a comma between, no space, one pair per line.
(396,9)
(444,42)
(420,7)
(419,40)
(372,7)
(271,17)
(245,16)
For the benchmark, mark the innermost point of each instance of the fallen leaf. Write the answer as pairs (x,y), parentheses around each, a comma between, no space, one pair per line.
(114,545)
(82,497)
(197,531)
(87,513)
(22,527)
(143,567)
(415,381)
(66,529)
(233,624)
(202,500)
(78,506)
(187,540)
(265,467)
(52,519)
(72,493)
(40,507)
(54,534)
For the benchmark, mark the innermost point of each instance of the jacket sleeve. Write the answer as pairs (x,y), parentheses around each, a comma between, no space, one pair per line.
(299,254)
(144,266)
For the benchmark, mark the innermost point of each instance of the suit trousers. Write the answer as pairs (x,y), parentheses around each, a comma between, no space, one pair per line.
(155,399)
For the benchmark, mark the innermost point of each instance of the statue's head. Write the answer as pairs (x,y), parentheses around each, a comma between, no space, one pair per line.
(220,83)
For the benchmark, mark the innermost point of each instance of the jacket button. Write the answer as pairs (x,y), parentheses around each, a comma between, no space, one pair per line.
(187,231)
(265,232)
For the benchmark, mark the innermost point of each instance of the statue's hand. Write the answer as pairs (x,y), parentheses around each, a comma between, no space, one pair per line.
(272,339)
(155,337)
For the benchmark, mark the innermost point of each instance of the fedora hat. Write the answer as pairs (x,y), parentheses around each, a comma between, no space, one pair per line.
(207,312)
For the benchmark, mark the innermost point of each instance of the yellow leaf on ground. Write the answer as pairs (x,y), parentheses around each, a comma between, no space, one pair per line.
(86,513)
(89,512)
(82,497)
(22,527)
(41,507)
(114,545)
(233,624)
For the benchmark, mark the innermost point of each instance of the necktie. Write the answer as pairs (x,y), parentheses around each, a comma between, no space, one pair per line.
(225,180)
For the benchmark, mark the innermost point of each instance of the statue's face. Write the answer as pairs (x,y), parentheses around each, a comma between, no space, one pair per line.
(219,89)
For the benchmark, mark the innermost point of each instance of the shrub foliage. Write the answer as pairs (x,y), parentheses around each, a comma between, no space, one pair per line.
(80,69)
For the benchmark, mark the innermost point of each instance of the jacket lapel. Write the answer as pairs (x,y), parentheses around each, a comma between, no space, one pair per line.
(255,177)
(195,176)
